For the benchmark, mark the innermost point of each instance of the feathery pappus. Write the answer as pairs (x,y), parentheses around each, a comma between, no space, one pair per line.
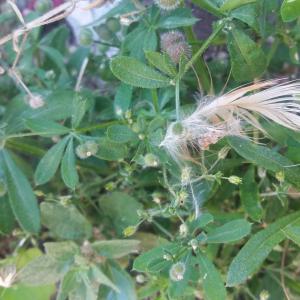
(229,114)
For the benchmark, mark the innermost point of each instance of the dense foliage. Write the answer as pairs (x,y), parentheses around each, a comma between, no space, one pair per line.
(92,206)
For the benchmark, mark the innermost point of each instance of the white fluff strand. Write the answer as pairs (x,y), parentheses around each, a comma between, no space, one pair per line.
(229,113)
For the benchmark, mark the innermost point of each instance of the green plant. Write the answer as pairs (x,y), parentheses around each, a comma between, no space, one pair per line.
(116,183)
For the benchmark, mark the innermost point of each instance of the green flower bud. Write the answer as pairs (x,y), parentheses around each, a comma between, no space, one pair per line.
(129,231)
(235,180)
(85,37)
(87,149)
(113,24)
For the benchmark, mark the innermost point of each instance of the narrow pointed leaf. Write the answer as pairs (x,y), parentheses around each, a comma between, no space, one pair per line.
(212,282)
(229,232)
(68,167)
(21,197)
(50,162)
(257,249)
(46,127)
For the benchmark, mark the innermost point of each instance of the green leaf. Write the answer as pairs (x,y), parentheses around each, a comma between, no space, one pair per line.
(180,17)
(42,270)
(121,209)
(45,127)
(202,221)
(123,98)
(256,250)
(65,222)
(49,163)
(248,60)
(229,5)
(7,219)
(121,134)
(110,150)
(79,106)
(212,282)
(229,232)
(162,62)
(101,278)
(290,10)
(62,250)
(249,194)
(208,5)
(122,280)
(68,284)
(292,233)
(266,158)
(68,167)
(116,248)
(21,197)
(135,73)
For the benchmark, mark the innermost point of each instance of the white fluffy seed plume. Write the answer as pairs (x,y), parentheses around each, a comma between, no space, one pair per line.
(229,114)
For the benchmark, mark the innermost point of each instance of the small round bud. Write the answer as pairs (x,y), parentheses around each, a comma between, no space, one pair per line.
(86,249)
(85,37)
(129,231)
(36,101)
(110,186)
(261,172)
(140,278)
(194,244)
(113,24)
(87,149)
(280,176)
(174,44)
(3,188)
(141,136)
(50,75)
(235,180)
(264,295)
(177,271)
(167,257)
(151,160)
(156,198)
(167,4)
(183,230)
(103,32)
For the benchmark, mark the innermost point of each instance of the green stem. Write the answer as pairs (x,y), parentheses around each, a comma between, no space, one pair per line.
(155,100)
(177,100)
(204,46)
(97,126)
(162,229)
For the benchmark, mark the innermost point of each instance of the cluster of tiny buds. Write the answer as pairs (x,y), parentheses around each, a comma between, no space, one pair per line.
(264,295)
(194,244)
(185,175)
(36,101)
(87,149)
(167,4)
(183,230)
(177,271)
(235,180)
(174,44)
(151,160)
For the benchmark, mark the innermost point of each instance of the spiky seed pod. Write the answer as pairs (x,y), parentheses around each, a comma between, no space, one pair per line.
(87,149)
(36,101)
(174,44)
(177,271)
(167,4)
(228,114)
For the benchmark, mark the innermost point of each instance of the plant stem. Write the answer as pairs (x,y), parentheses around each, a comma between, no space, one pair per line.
(166,232)
(177,99)
(155,100)
(204,46)
(97,126)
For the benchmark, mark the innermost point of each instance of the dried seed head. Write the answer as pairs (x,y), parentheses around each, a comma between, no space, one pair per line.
(36,101)
(183,230)
(151,160)
(175,45)
(87,149)
(177,271)
(167,4)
